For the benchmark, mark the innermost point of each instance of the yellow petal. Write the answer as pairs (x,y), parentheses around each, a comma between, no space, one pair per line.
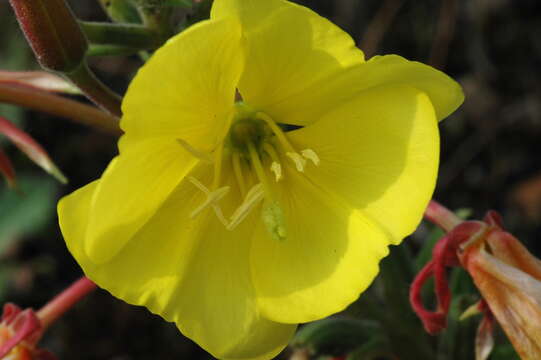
(289,49)
(329,255)
(250,13)
(190,271)
(323,96)
(132,188)
(379,153)
(216,306)
(445,94)
(187,89)
(73,211)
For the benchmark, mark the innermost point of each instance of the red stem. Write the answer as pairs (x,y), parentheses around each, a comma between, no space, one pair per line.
(64,301)
(439,215)
(31,98)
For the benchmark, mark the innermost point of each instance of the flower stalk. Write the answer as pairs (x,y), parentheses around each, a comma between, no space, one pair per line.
(128,35)
(441,216)
(64,301)
(21,330)
(95,90)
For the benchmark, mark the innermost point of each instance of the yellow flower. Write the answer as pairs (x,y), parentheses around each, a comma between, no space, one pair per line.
(264,170)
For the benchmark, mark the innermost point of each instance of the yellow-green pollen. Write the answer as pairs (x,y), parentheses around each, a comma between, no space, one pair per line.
(255,145)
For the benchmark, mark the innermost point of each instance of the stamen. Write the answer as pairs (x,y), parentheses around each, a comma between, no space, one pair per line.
(220,215)
(311,155)
(276,167)
(258,168)
(276,130)
(198,185)
(284,142)
(254,196)
(201,155)
(237,169)
(298,160)
(212,199)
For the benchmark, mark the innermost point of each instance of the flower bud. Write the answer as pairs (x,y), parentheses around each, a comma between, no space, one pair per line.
(53,33)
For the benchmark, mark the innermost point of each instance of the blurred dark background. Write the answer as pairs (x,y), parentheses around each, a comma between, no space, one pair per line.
(490,152)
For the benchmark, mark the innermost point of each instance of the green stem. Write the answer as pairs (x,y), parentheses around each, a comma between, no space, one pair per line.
(95,90)
(127,35)
(28,97)
(110,50)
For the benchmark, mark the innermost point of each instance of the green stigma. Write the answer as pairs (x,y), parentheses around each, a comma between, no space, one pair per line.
(274,220)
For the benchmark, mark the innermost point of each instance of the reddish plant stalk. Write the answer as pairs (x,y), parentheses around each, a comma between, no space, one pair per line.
(64,301)
(439,215)
(31,98)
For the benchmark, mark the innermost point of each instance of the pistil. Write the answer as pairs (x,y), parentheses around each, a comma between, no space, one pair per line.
(251,136)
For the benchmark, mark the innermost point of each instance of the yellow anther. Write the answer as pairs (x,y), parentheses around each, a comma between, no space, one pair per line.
(276,168)
(198,184)
(299,161)
(213,197)
(201,155)
(311,155)
(220,215)
(254,196)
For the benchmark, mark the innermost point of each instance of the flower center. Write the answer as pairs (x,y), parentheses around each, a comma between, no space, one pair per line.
(255,145)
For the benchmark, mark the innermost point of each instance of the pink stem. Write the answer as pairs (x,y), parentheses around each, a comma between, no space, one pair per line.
(439,215)
(64,301)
